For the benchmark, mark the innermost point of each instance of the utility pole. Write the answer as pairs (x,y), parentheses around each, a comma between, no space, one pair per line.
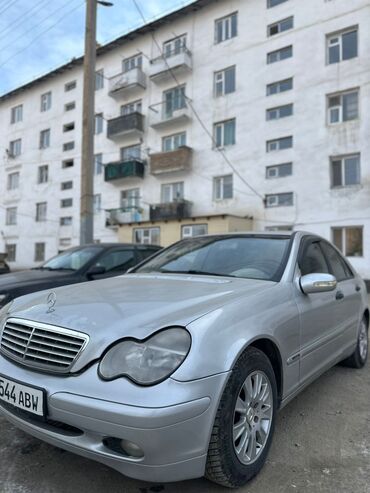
(88,124)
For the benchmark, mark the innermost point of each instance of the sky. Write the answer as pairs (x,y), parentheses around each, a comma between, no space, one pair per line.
(37,36)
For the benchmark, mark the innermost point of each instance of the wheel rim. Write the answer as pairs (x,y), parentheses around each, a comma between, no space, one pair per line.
(363,341)
(252,417)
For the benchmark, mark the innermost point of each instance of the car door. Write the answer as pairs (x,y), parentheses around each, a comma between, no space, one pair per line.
(348,296)
(320,316)
(115,262)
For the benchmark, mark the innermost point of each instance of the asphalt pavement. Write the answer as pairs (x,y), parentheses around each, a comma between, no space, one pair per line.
(321,445)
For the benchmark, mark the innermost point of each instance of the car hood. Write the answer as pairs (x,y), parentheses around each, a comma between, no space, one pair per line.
(16,280)
(133,305)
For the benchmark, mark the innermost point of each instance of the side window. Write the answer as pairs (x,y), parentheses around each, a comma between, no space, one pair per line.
(117,260)
(338,267)
(144,254)
(313,261)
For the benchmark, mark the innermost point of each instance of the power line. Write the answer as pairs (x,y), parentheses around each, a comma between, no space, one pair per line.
(8,6)
(41,34)
(196,114)
(21,20)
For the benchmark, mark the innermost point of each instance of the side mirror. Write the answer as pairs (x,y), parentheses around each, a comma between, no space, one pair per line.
(95,270)
(317,283)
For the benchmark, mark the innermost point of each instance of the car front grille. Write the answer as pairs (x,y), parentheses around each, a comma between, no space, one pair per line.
(41,346)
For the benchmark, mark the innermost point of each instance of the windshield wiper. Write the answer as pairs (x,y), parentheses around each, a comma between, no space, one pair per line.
(194,272)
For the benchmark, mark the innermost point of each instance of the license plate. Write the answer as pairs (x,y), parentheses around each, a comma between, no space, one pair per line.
(31,399)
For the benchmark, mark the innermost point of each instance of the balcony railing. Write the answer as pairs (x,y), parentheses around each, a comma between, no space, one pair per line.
(127,82)
(164,67)
(165,114)
(168,162)
(180,209)
(132,124)
(134,168)
(125,215)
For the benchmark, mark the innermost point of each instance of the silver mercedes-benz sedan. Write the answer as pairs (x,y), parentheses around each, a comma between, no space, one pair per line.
(177,370)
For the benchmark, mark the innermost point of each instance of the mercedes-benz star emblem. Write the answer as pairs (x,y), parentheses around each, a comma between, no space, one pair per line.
(51,300)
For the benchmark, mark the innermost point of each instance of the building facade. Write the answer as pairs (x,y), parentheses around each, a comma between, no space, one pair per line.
(222,116)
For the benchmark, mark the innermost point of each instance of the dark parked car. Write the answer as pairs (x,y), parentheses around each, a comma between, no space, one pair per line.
(4,267)
(79,264)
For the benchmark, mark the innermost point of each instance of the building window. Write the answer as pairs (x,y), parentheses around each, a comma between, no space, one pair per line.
(146,236)
(342,46)
(66,185)
(274,3)
(43,174)
(11,251)
(224,133)
(39,252)
(343,107)
(174,99)
(280,86)
(66,203)
(279,55)
(68,127)
(98,164)
(349,240)
(134,107)
(279,144)
(41,210)
(67,163)
(99,79)
(130,153)
(13,181)
(279,171)
(345,171)
(15,148)
(45,139)
(279,112)
(130,199)
(135,61)
(46,101)
(280,26)
(16,114)
(173,142)
(223,187)
(11,216)
(279,200)
(226,28)
(279,228)
(69,86)
(97,203)
(171,192)
(224,82)
(66,221)
(99,123)
(189,231)
(70,106)
(68,146)
(174,46)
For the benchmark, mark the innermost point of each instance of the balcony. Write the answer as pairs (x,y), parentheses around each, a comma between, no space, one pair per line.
(175,63)
(127,83)
(168,162)
(180,209)
(124,169)
(163,116)
(131,125)
(127,215)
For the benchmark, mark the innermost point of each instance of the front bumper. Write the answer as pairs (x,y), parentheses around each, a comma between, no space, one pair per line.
(171,422)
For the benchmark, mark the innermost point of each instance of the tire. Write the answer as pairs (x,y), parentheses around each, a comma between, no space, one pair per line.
(359,357)
(224,465)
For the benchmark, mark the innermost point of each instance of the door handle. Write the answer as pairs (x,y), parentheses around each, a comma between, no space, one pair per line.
(358,288)
(339,295)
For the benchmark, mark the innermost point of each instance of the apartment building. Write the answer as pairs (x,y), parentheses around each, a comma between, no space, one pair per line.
(225,115)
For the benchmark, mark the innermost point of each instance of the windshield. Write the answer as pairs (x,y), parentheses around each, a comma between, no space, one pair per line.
(249,257)
(72,259)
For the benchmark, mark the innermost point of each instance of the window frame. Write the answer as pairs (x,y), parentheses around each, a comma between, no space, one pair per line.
(278,167)
(45,136)
(279,25)
(227,32)
(43,174)
(9,181)
(149,229)
(11,252)
(222,82)
(271,5)
(41,212)
(191,226)
(15,145)
(222,125)
(343,230)
(276,202)
(174,188)
(176,141)
(37,257)
(45,101)
(343,159)
(99,79)
(339,35)
(16,114)
(219,185)
(278,84)
(340,107)
(278,142)
(278,54)
(137,60)
(277,110)
(11,216)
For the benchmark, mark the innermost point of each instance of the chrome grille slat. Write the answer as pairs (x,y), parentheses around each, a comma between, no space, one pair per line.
(42,346)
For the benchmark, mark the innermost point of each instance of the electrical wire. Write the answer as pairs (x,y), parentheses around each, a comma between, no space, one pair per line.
(8,6)
(24,19)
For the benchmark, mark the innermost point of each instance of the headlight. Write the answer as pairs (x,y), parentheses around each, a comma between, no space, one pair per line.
(147,362)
